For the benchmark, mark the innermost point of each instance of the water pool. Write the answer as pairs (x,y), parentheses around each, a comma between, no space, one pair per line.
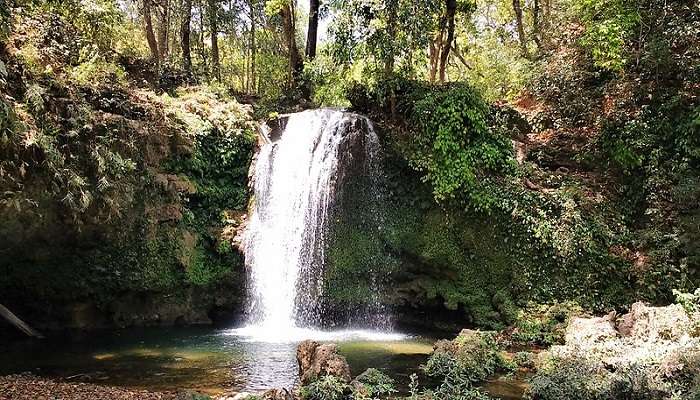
(204,359)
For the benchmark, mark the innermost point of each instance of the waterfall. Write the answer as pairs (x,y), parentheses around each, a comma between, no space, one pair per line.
(298,176)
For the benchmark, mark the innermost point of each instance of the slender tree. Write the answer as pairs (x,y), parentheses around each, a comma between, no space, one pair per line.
(312,36)
(185,30)
(148,27)
(519,26)
(447,45)
(253,48)
(201,49)
(436,47)
(214,30)
(536,30)
(389,57)
(434,54)
(163,25)
(296,63)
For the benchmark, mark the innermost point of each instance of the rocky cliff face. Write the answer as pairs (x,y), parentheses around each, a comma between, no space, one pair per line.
(116,203)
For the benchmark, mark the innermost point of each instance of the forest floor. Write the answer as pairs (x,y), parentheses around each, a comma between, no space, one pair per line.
(29,387)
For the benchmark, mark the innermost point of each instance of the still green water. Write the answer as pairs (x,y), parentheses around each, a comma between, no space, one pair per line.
(213,361)
(203,359)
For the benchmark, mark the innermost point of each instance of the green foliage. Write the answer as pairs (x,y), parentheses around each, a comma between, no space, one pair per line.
(544,325)
(487,57)
(524,359)
(609,24)
(374,384)
(206,269)
(79,150)
(223,141)
(4,20)
(656,150)
(455,148)
(330,81)
(98,71)
(326,388)
(379,35)
(101,23)
(689,301)
(459,365)
(584,379)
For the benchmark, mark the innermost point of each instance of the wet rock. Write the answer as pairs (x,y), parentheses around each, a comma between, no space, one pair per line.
(278,394)
(165,213)
(174,184)
(180,184)
(467,341)
(182,145)
(188,395)
(316,360)
(651,323)
(238,396)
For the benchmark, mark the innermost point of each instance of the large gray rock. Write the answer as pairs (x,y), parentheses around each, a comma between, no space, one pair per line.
(586,332)
(317,360)
(652,323)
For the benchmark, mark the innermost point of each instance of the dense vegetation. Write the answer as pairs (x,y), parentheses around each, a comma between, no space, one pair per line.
(114,198)
(598,203)
(541,159)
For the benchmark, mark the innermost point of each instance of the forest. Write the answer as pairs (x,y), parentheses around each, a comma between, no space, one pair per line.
(261,199)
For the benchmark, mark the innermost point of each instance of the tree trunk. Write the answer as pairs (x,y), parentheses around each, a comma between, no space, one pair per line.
(18,323)
(536,31)
(296,64)
(200,44)
(519,25)
(174,28)
(434,56)
(391,30)
(214,28)
(447,45)
(546,21)
(312,36)
(185,37)
(148,27)
(163,30)
(253,49)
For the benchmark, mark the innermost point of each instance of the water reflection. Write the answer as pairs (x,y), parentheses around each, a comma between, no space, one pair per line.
(200,359)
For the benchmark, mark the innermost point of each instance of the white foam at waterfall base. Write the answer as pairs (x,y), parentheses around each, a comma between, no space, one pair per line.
(260,334)
(294,183)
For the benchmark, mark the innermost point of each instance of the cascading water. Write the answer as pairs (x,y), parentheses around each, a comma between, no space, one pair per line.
(297,179)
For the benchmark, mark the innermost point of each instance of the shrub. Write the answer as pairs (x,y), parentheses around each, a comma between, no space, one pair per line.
(463,362)
(454,147)
(689,301)
(373,384)
(326,388)
(97,71)
(524,359)
(544,325)
(585,379)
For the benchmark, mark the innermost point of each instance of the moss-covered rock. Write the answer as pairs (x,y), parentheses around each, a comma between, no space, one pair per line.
(114,199)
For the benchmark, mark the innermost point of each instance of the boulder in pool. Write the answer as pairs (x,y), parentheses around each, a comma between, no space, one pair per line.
(317,360)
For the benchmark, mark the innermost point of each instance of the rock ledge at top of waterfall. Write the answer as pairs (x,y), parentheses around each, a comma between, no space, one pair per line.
(275,127)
